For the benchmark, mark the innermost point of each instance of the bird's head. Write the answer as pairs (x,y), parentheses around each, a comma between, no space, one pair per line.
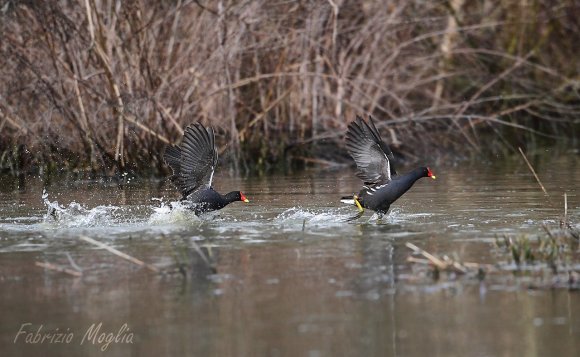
(430,173)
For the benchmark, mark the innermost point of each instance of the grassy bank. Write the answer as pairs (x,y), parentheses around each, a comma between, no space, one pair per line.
(104,86)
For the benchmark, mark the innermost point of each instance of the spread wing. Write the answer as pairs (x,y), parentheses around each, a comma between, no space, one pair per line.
(372,156)
(172,157)
(194,162)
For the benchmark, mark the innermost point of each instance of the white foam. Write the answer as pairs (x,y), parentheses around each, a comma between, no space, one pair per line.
(173,213)
(75,215)
(330,215)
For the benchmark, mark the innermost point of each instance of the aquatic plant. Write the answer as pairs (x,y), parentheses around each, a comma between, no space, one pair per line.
(554,249)
(551,259)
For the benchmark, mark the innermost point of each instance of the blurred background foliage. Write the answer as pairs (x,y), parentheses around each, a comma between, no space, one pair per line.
(101,87)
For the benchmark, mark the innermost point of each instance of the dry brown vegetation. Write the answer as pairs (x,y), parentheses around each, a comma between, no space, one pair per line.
(103,86)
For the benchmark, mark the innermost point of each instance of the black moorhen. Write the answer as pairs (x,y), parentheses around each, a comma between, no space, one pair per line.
(193,165)
(374,161)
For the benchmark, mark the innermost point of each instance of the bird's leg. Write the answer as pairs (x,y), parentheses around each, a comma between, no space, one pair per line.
(360,212)
(357,203)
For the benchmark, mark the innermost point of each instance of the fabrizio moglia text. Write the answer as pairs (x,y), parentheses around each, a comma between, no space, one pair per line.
(94,335)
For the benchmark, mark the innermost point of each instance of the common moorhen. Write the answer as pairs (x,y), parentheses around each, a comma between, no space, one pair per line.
(374,161)
(193,165)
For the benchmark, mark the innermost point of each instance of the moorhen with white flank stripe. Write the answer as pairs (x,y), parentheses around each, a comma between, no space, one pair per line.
(374,161)
(193,165)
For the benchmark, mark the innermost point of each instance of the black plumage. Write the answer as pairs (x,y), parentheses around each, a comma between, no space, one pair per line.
(374,160)
(193,164)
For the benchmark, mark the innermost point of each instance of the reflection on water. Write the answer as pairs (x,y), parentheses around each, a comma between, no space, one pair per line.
(287,274)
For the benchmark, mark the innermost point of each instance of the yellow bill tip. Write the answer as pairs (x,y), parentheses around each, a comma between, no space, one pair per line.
(246,200)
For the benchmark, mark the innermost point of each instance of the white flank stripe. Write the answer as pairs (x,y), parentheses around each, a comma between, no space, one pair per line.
(211,176)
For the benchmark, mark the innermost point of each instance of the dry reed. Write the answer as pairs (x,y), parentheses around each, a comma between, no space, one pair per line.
(103,86)
(119,253)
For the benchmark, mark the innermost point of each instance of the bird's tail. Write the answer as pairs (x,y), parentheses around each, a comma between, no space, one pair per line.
(349,200)
(352,200)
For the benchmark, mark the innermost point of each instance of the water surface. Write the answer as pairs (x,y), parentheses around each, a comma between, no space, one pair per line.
(288,274)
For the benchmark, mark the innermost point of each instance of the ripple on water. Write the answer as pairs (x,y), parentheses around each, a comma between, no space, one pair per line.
(321,216)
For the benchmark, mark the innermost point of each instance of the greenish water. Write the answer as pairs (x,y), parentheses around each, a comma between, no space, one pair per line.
(288,274)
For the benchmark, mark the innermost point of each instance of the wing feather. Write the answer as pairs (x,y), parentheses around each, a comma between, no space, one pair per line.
(194,162)
(172,157)
(372,156)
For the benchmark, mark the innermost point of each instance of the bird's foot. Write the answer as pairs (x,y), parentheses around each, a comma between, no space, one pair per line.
(358,215)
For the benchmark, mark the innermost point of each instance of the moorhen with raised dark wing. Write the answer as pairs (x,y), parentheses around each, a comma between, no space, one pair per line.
(374,161)
(193,165)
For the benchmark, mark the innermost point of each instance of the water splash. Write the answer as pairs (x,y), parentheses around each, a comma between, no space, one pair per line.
(173,213)
(330,215)
(75,215)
